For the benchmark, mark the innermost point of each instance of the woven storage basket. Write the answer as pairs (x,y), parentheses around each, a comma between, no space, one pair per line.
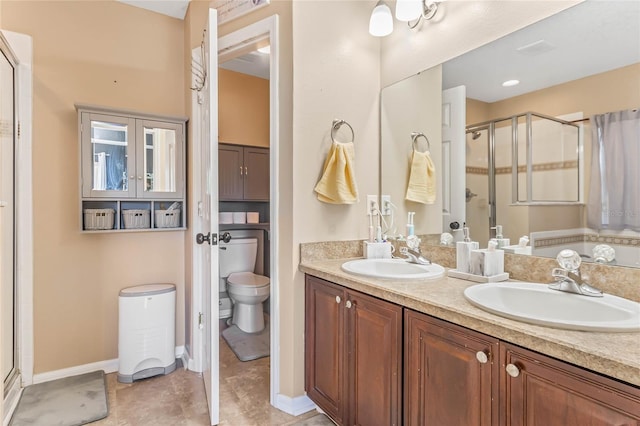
(136,219)
(167,218)
(95,219)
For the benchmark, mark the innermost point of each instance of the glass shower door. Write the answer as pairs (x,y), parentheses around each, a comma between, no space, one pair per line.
(7,219)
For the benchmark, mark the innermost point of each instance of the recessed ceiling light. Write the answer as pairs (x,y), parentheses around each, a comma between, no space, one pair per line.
(510,83)
(265,49)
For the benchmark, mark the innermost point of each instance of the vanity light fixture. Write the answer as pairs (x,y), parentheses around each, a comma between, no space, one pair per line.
(409,11)
(381,22)
(510,83)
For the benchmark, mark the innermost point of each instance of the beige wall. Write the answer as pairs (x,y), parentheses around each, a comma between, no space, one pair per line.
(243,109)
(102,53)
(336,75)
(610,91)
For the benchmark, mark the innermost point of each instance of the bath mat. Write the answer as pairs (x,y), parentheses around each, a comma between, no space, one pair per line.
(248,346)
(70,401)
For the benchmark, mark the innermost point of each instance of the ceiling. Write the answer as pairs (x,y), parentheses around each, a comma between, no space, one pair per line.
(589,38)
(173,8)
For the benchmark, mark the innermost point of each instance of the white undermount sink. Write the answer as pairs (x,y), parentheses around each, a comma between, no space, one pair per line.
(398,269)
(537,304)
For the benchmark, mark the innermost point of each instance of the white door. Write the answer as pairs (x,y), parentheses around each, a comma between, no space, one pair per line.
(206,253)
(453,160)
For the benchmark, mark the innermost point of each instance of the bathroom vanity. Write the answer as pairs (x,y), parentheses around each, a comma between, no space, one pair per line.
(396,352)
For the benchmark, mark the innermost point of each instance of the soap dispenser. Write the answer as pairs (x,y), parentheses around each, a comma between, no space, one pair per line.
(463,251)
(410,226)
(500,240)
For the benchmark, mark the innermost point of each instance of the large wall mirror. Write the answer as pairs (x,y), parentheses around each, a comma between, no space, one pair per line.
(527,148)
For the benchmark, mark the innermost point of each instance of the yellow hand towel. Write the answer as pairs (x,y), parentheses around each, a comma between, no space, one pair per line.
(422,179)
(338,184)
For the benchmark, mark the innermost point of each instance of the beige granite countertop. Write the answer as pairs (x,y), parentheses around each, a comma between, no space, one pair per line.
(615,355)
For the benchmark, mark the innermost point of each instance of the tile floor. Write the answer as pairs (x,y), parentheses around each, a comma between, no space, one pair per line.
(178,399)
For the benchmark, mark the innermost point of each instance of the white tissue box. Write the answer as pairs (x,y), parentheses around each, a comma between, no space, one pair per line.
(239,217)
(253,217)
(486,263)
(376,250)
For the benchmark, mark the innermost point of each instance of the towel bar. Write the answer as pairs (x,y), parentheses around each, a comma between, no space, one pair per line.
(414,139)
(336,125)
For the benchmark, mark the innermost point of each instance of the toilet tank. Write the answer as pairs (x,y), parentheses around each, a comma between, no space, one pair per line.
(238,255)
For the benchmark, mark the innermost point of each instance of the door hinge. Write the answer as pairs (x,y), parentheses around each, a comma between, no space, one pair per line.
(200,320)
(18,130)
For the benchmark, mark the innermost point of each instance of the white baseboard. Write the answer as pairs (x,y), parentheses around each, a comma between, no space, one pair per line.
(109,366)
(296,405)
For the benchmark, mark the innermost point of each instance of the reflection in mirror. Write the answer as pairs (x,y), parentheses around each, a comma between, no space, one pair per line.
(109,142)
(159,159)
(581,62)
(408,107)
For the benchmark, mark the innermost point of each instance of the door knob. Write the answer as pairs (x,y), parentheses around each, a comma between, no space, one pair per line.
(482,357)
(201,238)
(512,370)
(226,237)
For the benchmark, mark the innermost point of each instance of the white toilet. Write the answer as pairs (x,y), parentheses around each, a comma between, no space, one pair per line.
(246,289)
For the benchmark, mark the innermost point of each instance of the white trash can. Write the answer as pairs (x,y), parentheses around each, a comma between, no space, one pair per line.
(146,331)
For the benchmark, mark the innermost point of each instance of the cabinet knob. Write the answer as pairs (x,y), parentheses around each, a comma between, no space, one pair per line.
(338,300)
(348,304)
(132,177)
(512,370)
(139,177)
(482,357)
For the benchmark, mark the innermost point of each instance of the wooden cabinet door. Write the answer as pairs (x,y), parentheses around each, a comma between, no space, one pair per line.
(374,360)
(230,172)
(447,381)
(256,174)
(324,346)
(548,392)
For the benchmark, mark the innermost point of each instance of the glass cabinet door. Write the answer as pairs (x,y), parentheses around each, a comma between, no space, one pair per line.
(159,161)
(108,156)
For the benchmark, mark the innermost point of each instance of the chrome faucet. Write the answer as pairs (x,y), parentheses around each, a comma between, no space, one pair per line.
(568,277)
(414,256)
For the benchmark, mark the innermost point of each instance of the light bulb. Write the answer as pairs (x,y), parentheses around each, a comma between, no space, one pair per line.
(381,22)
(408,10)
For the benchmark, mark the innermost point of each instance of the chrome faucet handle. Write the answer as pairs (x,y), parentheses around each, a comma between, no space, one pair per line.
(569,260)
(571,282)
(414,256)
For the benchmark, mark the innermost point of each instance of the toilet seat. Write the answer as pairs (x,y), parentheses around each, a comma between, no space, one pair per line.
(247,279)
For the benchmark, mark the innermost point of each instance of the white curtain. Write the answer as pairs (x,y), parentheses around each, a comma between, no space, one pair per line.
(100,171)
(614,196)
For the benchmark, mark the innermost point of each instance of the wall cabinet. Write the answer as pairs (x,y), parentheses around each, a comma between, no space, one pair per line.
(243,173)
(452,375)
(353,358)
(131,161)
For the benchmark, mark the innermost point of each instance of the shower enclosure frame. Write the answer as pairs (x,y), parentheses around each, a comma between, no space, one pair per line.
(490,126)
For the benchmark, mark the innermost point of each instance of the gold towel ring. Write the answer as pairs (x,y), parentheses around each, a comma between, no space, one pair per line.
(414,140)
(336,125)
